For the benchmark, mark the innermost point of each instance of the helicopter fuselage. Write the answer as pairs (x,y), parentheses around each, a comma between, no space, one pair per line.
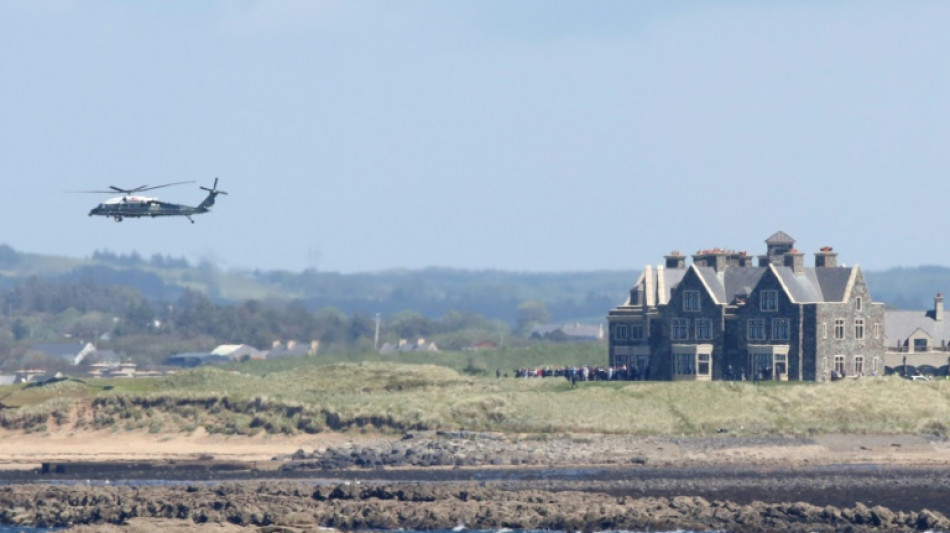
(134,206)
(138,206)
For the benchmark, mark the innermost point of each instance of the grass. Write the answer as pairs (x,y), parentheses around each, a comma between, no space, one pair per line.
(309,395)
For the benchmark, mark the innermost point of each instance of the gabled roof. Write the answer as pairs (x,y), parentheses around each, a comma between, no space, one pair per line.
(803,288)
(236,351)
(671,278)
(732,282)
(73,352)
(834,282)
(901,324)
(813,285)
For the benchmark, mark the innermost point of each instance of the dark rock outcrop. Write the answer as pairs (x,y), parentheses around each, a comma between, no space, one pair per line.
(288,506)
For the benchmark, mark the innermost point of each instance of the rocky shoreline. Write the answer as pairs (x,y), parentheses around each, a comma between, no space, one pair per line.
(287,507)
(446,480)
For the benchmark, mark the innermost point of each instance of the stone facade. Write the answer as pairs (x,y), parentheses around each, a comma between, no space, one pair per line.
(721,317)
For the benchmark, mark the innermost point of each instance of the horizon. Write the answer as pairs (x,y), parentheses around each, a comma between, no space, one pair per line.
(243,270)
(367,136)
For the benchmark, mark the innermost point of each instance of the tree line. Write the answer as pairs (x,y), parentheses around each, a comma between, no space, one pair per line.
(122,319)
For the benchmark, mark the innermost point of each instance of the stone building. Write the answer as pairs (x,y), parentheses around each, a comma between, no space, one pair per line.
(918,342)
(724,317)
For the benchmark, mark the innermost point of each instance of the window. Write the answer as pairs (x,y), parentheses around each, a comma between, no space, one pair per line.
(690,300)
(756,329)
(780,329)
(857,303)
(620,332)
(768,301)
(839,328)
(636,331)
(685,364)
(680,329)
(703,367)
(920,345)
(877,331)
(703,329)
(839,365)
(858,365)
(824,330)
(859,328)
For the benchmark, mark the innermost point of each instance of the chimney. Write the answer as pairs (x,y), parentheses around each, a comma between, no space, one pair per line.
(675,260)
(938,307)
(742,259)
(826,258)
(795,260)
(716,258)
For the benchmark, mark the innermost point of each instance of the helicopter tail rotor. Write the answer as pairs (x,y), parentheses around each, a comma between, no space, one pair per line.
(212,193)
(214,188)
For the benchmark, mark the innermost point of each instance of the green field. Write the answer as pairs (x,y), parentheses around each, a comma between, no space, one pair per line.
(317,394)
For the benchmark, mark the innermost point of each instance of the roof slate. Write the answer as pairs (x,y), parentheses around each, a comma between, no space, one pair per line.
(900,324)
(780,237)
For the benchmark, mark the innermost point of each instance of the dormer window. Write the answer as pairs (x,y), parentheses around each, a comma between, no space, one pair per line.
(691,301)
(768,301)
(857,303)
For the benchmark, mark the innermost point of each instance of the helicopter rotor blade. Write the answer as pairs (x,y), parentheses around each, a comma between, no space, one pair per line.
(113,189)
(146,188)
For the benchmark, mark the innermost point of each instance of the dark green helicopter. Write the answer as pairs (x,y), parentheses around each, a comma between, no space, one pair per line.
(130,205)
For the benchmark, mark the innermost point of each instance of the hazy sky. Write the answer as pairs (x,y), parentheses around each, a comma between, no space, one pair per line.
(518,135)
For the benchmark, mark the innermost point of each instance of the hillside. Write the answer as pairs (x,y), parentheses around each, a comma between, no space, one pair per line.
(432,292)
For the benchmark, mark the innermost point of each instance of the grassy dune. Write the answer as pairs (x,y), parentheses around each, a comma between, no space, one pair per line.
(310,396)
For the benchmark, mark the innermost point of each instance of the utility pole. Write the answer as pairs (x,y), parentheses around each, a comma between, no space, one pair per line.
(376,337)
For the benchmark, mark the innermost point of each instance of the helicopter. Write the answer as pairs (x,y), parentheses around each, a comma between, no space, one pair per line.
(131,205)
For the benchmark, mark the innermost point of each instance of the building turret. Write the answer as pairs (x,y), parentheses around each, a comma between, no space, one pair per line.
(776,247)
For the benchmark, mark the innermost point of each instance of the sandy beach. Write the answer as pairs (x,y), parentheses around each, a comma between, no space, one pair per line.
(28,450)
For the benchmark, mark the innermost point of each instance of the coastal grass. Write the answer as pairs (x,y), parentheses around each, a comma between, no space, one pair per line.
(312,396)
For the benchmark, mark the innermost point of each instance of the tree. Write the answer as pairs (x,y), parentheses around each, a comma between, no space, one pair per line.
(360,326)
(410,325)
(531,313)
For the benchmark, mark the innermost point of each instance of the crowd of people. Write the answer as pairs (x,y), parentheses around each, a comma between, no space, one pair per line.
(584,373)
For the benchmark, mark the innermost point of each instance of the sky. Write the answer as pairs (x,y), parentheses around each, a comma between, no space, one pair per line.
(357,136)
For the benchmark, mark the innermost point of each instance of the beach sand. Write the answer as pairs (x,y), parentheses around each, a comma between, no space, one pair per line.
(28,450)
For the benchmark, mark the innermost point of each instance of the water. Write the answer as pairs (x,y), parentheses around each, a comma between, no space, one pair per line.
(27,529)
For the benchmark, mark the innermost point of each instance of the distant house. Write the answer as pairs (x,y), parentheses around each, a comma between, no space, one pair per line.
(292,349)
(918,341)
(574,332)
(113,369)
(404,346)
(102,356)
(72,353)
(193,359)
(35,376)
(238,352)
(483,345)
